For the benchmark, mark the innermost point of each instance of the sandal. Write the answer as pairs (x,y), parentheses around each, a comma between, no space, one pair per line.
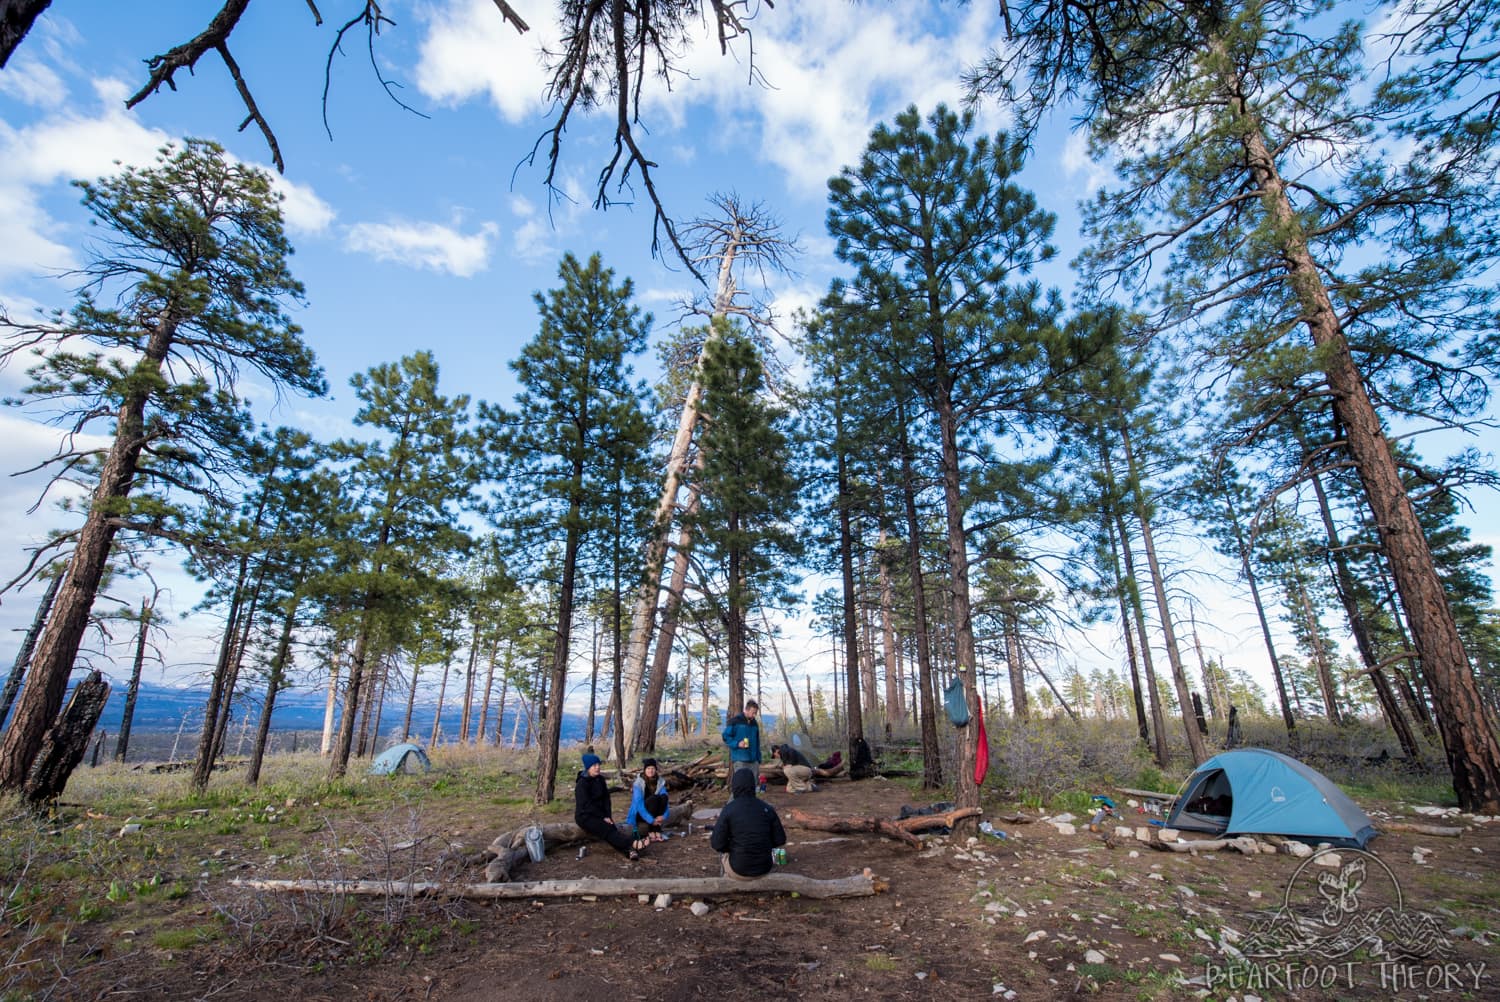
(658,837)
(633,856)
(639,844)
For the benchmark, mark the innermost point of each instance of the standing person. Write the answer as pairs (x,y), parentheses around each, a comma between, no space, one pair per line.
(592,813)
(797,768)
(747,830)
(742,737)
(648,801)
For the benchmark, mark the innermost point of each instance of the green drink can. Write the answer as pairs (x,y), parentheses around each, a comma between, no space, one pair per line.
(778,856)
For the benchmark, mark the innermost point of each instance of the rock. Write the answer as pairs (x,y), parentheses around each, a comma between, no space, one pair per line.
(662,901)
(1022,913)
(1134,855)
(1040,934)
(1419,857)
(699,908)
(130,829)
(1299,849)
(1155,876)
(1064,828)
(1186,891)
(1167,835)
(1254,895)
(643,899)
(1062,818)
(1123,832)
(1170,958)
(1332,860)
(1143,834)
(1093,957)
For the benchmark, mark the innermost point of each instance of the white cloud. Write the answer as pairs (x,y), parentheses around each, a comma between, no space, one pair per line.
(470,50)
(33,82)
(424,245)
(305,212)
(1076,163)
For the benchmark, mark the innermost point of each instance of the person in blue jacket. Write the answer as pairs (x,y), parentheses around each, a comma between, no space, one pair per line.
(747,830)
(648,802)
(742,737)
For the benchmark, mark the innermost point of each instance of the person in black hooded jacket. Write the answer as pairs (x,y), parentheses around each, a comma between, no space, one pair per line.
(747,830)
(592,812)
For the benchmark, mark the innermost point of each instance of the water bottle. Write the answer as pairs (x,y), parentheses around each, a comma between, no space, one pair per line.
(535,845)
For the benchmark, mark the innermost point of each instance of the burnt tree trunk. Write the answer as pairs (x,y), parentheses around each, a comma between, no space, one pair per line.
(66,741)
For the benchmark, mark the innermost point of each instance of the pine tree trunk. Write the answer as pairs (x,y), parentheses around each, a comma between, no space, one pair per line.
(437,719)
(1019,705)
(273,686)
(489,689)
(28,645)
(465,719)
(645,732)
(1137,699)
(344,743)
(326,746)
(1468,730)
(855,730)
(895,708)
(47,681)
(122,744)
(932,756)
(546,780)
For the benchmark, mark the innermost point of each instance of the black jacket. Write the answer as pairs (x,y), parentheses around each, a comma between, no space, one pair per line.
(748,829)
(591,798)
(791,756)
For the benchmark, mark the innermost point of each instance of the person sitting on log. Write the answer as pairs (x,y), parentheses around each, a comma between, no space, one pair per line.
(592,813)
(747,830)
(648,802)
(797,768)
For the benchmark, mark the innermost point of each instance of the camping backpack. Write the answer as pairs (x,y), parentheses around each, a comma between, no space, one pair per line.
(955,703)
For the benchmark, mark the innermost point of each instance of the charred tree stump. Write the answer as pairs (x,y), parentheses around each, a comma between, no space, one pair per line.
(66,741)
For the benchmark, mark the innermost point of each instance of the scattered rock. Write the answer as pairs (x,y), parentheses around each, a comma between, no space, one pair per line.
(1064,828)
(1186,891)
(1143,834)
(1040,934)
(662,901)
(1294,848)
(1329,859)
(1093,957)
(1123,832)
(1170,958)
(1254,895)
(130,829)
(1063,818)
(1134,855)
(1155,876)
(644,899)
(699,908)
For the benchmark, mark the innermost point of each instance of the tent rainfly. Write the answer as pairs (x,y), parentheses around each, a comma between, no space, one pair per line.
(400,758)
(1253,791)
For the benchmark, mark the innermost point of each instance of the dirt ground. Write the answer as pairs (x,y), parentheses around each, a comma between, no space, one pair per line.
(1012,918)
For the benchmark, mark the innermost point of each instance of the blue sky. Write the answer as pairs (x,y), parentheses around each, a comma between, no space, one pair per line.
(432,233)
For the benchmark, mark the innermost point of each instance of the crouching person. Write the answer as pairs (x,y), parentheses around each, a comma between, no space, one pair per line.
(747,830)
(798,769)
(592,813)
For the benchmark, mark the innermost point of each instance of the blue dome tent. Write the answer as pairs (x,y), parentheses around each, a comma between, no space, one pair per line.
(400,758)
(1253,791)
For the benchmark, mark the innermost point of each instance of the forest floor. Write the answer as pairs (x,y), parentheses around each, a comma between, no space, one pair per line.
(92,913)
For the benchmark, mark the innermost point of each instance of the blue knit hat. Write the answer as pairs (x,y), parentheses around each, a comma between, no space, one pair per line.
(590,760)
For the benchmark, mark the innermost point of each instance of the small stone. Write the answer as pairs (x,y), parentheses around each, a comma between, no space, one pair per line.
(1155,876)
(1123,832)
(1021,913)
(130,829)
(1064,828)
(1299,849)
(662,901)
(1167,835)
(699,908)
(1186,891)
(1040,934)
(1062,818)
(1476,850)
(1254,895)
(1134,855)
(1143,834)
(1093,957)
(1170,958)
(643,899)
(1329,859)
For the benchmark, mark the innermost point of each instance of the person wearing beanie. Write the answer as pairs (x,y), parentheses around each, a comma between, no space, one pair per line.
(648,802)
(747,830)
(796,767)
(592,812)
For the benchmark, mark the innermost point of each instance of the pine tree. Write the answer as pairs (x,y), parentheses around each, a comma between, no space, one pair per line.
(187,287)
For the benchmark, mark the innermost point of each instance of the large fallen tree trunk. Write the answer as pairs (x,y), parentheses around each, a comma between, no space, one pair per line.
(561,833)
(922,822)
(844,826)
(861,885)
(1437,831)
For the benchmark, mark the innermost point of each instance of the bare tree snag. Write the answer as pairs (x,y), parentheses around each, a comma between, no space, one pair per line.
(66,741)
(861,885)
(16,19)
(844,826)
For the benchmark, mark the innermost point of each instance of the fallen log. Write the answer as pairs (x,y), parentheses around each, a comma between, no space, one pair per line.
(504,867)
(921,822)
(844,826)
(861,885)
(1017,819)
(560,833)
(1243,844)
(1437,831)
